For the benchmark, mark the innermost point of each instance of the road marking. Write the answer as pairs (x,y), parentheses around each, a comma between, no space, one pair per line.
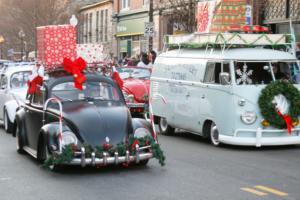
(253,191)
(271,190)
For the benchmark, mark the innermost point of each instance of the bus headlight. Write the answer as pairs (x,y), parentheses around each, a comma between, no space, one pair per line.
(248,117)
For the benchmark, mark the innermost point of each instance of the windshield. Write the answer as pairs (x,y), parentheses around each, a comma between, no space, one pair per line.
(248,73)
(92,90)
(19,79)
(138,73)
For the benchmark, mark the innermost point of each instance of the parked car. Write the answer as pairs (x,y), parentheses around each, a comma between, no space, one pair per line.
(136,84)
(92,126)
(13,87)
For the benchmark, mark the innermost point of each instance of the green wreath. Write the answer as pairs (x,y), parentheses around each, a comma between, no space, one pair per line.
(268,109)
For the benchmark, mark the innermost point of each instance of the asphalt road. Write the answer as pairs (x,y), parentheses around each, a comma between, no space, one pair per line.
(195,170)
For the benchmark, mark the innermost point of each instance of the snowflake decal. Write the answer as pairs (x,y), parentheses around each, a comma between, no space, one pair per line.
(244,76)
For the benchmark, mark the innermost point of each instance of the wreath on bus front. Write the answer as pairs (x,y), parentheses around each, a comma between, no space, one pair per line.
(279,104)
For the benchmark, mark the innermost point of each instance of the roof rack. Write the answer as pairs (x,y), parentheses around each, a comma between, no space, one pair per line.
(227,40)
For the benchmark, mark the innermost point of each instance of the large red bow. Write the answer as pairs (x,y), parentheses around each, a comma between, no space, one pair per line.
(288,121)
(34,84)
(75,68)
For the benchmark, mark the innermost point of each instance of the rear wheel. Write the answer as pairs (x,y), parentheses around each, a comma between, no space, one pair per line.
(20,144)
(214,135)
(8,126)
(164,128)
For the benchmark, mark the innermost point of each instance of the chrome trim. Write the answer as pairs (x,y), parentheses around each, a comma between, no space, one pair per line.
(116,158)
(136,105)
(137,149)
(105,155)
(93,155)
(127,157)
(83,157)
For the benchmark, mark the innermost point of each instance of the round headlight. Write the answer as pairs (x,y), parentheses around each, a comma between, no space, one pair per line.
(141,132)
(69,138)
(248,117)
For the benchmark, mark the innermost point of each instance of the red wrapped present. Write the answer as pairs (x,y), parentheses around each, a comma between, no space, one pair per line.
(54,43)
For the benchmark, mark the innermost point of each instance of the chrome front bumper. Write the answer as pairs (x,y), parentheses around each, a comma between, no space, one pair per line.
(136,105)
(107,160)
(260,140)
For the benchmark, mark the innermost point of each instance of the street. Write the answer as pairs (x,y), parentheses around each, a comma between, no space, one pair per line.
(194,170)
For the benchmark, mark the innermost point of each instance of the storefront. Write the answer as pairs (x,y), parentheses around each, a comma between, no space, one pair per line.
(130,36)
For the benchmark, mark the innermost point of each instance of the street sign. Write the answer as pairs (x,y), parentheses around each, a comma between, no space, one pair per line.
(149,29)
(10,52)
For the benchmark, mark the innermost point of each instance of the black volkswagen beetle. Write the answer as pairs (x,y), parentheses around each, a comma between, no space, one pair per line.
(61,125)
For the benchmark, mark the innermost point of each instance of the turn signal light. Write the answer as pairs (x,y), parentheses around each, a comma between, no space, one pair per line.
(265,123)
(295,122)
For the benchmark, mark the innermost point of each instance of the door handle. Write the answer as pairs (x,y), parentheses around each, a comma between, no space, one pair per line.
(203,96)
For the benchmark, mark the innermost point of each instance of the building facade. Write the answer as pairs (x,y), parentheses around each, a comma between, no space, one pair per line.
(279,13)
(96,26)
(129,20)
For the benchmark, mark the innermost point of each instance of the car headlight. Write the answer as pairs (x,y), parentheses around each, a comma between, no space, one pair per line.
(128,97)
(69,138)
(248,117)
(141,132)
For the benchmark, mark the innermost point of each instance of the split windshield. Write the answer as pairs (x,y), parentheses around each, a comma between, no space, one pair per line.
(248,73)
(92,90)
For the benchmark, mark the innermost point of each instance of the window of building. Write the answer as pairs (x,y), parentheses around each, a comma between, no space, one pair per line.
(86,27)
(125,4)
(101,25)
(106,25)
(145,2)
(90,27)
(97,26)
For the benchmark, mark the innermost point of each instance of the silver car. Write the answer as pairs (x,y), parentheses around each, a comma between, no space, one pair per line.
(13,89)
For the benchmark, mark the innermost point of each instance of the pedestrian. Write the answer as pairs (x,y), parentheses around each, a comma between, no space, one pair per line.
(152,56)
(145,62)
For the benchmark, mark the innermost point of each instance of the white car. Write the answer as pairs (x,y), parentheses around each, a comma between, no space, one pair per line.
(13,89)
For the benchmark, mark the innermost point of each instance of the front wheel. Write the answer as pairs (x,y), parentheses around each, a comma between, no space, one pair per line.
(214,135)
(164,128)
(8,126)
(19,140)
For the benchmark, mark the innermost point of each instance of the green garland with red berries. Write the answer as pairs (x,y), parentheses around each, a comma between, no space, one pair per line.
(68,151)
(268,109)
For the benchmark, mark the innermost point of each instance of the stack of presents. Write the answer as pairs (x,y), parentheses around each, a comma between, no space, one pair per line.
(54,43)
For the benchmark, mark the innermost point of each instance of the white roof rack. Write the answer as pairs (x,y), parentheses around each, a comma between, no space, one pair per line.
(198,40)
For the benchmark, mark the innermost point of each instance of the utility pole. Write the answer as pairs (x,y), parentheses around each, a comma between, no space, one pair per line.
(151,21)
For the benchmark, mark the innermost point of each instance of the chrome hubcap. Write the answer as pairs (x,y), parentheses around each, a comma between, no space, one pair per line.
(163,124)
(214,134)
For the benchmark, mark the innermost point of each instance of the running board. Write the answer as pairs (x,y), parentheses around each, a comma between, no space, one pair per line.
(30,151)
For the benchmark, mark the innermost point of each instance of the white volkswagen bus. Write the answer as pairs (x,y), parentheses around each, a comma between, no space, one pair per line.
(215,92)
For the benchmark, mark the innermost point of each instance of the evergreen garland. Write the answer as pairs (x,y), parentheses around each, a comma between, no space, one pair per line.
(68,151)
(267,108)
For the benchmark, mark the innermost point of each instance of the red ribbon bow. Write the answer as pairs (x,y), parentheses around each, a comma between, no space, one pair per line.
(75,68)
(288,121)
(34,85)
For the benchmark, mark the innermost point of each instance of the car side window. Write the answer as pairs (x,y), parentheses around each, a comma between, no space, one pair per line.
(38,97)
(213,70)
(3,82)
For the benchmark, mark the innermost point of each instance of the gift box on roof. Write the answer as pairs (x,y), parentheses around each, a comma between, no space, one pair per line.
(54,43)
(91,53)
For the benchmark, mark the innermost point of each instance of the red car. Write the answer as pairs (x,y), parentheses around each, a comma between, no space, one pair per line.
(136,85)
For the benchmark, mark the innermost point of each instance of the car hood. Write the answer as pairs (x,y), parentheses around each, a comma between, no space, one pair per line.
(138,87)
(96,121)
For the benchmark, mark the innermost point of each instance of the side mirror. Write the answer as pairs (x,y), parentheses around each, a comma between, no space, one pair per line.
(224,78)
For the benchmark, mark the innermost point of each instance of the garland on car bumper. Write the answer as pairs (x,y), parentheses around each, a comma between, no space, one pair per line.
(279,104)
(68,151)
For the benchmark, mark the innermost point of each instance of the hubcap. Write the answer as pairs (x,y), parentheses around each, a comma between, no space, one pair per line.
(163,124)
(214,135)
